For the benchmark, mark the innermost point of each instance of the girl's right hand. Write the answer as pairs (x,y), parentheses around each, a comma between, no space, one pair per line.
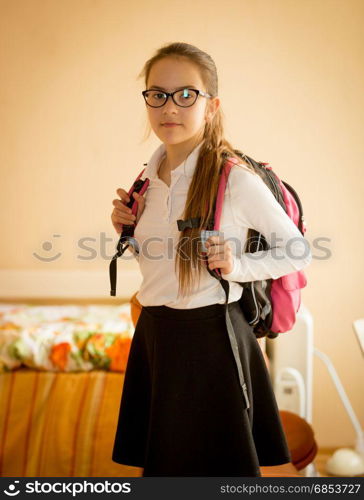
(122,214)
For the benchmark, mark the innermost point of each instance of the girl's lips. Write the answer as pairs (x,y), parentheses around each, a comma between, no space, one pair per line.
(170,124)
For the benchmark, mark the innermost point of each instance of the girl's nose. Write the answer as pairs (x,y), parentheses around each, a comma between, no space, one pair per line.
(170,105)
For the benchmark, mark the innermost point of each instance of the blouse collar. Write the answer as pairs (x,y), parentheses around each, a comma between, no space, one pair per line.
(187,167)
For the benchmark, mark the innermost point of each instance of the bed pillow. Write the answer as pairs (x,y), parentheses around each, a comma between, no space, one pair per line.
(65,338)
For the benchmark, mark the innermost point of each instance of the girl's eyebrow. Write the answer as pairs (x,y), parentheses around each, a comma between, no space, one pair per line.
(177,88)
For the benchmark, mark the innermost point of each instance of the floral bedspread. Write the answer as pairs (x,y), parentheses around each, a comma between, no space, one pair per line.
(65,338)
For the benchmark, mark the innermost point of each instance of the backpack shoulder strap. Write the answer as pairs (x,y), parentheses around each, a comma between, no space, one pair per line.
(229,163)
(140,186)
(127,233)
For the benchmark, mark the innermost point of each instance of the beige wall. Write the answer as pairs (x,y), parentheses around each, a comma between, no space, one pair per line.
(72,121)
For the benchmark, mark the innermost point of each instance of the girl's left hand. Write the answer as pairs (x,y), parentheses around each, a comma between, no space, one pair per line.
(219,254)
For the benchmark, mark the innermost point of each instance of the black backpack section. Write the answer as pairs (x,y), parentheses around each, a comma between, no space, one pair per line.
(256,299)
(126,238)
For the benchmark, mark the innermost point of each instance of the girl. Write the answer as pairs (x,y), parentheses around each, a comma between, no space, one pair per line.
(183,411)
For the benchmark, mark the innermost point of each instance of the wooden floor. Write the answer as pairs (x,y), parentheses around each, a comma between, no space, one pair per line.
(288,470)
(321,458)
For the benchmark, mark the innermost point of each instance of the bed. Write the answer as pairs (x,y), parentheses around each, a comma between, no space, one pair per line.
(61,377)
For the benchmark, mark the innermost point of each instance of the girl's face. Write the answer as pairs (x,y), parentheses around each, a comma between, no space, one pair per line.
(169,74)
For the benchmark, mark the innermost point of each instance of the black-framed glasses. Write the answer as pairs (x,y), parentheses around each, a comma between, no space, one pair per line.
(183,97)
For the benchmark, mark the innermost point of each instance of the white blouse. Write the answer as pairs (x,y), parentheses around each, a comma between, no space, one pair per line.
(248,203)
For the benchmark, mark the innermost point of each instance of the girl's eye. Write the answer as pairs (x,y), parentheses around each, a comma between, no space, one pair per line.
(159,95)
(185,97)
(185,93)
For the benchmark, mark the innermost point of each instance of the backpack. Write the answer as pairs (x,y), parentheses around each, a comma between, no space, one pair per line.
(269,306)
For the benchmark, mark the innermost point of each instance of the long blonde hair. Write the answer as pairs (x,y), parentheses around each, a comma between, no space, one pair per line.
(200,200)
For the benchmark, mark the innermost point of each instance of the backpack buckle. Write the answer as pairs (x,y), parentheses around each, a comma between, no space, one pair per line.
(191,222)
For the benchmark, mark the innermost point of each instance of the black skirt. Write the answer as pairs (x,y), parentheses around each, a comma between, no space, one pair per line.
(182,410)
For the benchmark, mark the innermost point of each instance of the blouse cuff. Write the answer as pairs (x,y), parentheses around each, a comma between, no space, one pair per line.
(235,272)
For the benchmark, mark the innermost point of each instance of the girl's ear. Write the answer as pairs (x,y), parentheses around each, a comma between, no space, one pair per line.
(211,108)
